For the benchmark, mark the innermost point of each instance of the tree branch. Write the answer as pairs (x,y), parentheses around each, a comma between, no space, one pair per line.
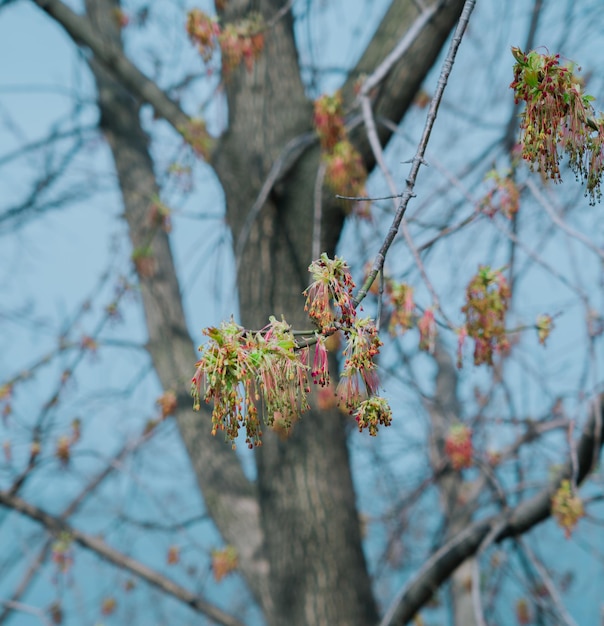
(56,525)
(80,29)
(512,523)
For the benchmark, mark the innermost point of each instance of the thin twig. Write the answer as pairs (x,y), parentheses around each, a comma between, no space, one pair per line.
(381,71)
(563,614)
(318,210)
(100,548)
(571,232)
(417,161)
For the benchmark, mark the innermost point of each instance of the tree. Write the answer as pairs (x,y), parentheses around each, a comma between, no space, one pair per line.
(295,529)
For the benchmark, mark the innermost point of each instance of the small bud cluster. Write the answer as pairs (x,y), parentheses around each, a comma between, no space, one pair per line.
(65,442)
(458,446)
(558,114)
(567,507)
(503,197)
(545,323)
(372,413)
(62,552)
(196,135)
(203,31)
(400,296)
(224,562)
(240,42)
(487,301)
(345,172)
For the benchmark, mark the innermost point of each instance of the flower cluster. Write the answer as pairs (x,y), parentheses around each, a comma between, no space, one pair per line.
(240,370)
(203,31)
(224,562)
(567,507)
(196,135)
(62,552)
(557,114)
(332,283)
(65,442)
(458,446)
(359,377)
(329,120)
(240,42)
(487,301)
(345,172)
(427,331)
(400,296)
(372,413)
(503,197)
(545,323)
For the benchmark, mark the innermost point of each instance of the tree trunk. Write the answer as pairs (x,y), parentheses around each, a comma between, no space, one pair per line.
(297,531)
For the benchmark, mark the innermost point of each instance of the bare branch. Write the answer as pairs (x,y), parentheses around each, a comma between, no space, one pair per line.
(378,264)
(113,58)
(517,521)
(56,525)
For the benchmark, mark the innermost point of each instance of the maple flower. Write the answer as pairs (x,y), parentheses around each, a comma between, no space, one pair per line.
(242,42)
(359,377)
(372,413)
(427,331)
(487,300)
(203,30)
(224,562)
(239,369)
(401,298)
(458,446)
(332,285)
(224,373)
(567,507)
(557,114)
(62,552)
(329,120)
(345,172)
(545,323)
(320,366)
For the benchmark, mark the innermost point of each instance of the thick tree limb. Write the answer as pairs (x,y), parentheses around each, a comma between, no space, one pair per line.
(230,499)
(509,523)
(112,57)
(98,546)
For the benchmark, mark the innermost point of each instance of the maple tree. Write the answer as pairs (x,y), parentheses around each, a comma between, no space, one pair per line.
(294,165)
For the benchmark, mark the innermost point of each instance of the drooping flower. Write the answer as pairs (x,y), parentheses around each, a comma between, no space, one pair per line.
(558,115)
(427,331)
(329,298)
(401,298)
(320,366)
(359,376)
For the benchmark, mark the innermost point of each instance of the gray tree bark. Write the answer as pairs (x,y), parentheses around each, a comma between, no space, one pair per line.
(297,529)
